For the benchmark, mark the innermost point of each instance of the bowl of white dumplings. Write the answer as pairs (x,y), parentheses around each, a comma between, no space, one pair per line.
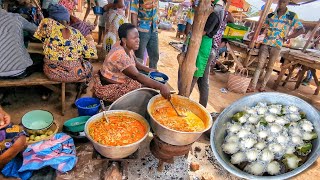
(267,136)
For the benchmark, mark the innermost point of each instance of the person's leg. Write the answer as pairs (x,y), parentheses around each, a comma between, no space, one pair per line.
(101,33)
(263,55)
(203,85)
(153,50)
(144,39)
(179,80)
(273,57)
(193,83)
(308,77)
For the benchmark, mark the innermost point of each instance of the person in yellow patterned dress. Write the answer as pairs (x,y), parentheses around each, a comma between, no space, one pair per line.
(65,48)
(116,17)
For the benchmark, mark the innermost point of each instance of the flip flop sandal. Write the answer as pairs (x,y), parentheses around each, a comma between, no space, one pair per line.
(250,90)
(262,90)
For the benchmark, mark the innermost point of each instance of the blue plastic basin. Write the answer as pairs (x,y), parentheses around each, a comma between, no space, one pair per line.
(87,106)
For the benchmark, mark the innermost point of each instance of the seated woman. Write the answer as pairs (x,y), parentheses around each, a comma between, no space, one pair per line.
(120,71)
(64,47)
(85,29)
(12,139)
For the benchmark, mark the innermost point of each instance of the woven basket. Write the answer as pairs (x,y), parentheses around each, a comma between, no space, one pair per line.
(54,127)
(239,81)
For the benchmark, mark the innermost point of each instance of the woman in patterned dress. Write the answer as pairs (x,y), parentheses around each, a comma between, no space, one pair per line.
(115,18)
(119,73)
(12,139)
(65,48)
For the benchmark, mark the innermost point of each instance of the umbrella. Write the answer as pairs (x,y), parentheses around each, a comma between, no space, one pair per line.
(238,3)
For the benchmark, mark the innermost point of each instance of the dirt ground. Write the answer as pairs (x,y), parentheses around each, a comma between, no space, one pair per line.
(21,100)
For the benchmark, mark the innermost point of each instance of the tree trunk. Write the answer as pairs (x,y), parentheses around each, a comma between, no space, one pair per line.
(188,65)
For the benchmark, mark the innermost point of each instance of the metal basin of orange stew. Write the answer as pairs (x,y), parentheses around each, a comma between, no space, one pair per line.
(168,117)
(121,130)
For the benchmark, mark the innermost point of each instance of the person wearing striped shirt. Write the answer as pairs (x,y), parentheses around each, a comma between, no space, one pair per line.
(14,58)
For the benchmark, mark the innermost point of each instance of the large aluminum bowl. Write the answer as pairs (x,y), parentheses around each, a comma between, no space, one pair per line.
(218,131)
(135,101)
(171,136)
(116,152)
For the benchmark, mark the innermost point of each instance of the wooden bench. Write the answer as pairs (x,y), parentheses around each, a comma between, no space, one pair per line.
(39,79)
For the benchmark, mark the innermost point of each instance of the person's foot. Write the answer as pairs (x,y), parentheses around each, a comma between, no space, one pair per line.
(214,115)
(250,90)
(262,90)
(305,83)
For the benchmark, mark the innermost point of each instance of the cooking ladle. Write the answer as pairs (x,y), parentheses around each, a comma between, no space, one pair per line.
(181,115)
(104,111)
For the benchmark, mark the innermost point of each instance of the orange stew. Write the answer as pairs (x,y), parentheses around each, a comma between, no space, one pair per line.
(121,130)
(169,118)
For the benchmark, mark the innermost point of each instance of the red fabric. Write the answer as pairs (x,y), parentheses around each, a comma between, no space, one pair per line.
(238,3)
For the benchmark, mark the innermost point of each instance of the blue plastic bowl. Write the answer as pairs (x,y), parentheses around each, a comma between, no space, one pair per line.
(87,106)
(158,76)
(97,10)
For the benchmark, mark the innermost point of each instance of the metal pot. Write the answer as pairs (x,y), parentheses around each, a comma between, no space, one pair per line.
(174,137)
(116,152)
(135,101)
(218,131)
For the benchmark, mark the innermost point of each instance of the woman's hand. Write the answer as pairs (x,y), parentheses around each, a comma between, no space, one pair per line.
(5,118)
(165,91)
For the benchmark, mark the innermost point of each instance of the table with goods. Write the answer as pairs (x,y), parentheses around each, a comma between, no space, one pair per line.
(295,58)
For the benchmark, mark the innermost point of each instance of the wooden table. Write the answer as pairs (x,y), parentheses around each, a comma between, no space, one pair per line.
(294,58)
(39,79)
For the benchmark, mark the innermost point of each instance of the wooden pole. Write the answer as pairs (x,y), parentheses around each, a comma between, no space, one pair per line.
(260,23)
(188,67)
(311,36)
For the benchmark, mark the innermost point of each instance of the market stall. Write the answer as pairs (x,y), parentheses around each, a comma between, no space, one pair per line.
(293,58)
(247,52)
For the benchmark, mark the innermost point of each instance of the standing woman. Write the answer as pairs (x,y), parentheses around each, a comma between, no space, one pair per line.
(116,17)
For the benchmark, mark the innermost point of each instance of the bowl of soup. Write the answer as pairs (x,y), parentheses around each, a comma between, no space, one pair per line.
(118,137)
(176,130)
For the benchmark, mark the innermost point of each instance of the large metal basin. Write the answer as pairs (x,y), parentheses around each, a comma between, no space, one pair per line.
(135,101)
(171,136)
(116,152)
(218,131)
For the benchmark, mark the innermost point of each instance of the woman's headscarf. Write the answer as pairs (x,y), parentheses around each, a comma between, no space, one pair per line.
(58,12)
(219,10)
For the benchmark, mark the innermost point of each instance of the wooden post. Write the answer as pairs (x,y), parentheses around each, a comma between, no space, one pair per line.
(188,65)
(311,36)
(260,23)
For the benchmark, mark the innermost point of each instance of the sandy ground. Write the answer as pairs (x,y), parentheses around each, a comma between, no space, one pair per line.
(24,99)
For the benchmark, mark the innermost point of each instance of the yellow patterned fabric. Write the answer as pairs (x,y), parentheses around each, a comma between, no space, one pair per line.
(279,27)
(57,48)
